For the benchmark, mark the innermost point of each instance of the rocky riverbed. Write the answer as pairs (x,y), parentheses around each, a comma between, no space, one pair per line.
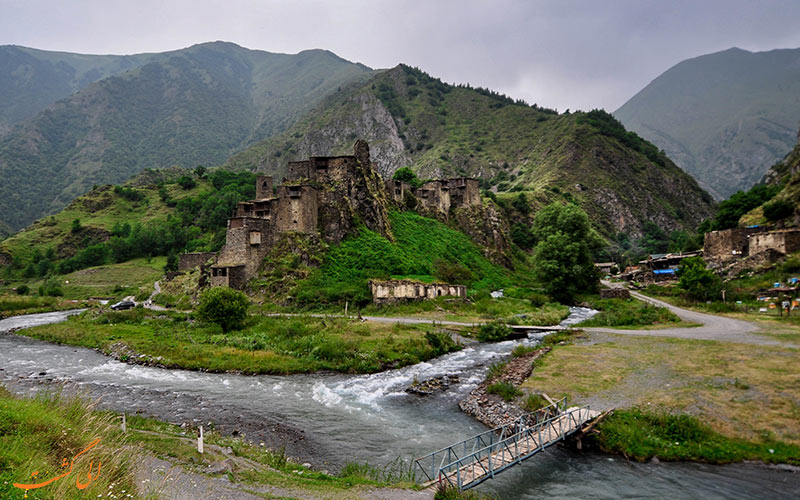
(490,409)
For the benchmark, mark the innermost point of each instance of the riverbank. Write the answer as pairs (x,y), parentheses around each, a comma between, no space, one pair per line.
(154,459)
(266,345)
(746,396)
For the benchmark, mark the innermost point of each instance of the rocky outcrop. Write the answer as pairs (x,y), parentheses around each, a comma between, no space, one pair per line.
(490,409)
(361,115)
(487,227)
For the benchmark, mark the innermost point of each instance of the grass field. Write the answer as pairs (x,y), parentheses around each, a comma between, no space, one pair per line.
(36,435)
(265,345)
(741,391)
(113,281)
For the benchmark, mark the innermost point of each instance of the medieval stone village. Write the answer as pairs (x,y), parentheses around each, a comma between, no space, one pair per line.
(533,269)
(319,198)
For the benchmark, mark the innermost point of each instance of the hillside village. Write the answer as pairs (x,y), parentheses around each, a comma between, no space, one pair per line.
(322,198)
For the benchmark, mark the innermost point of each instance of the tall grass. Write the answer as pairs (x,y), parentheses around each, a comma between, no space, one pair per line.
(37,434)
(629,312)
(641,435)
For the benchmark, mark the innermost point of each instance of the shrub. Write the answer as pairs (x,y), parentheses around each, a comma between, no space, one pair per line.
(186,182)
(129,194)
(441,342)
(496,369)
(50,288)
(778,209)
(22,290)
(522,350)
(172,263)
(538,299)
(223,306)
(76,226)
(697,281)
(505,390)
(494,331)
(452,273)
(533,402)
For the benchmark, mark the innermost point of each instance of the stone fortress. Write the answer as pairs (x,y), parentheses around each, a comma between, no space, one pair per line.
(326,198)
(731,250)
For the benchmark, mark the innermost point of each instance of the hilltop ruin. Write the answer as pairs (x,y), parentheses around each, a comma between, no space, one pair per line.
(324,197)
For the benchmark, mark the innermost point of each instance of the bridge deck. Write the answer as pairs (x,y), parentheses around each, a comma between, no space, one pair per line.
(492,452)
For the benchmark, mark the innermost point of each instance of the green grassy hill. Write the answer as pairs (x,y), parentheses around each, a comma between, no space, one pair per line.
(440,130)
(195,106)
(782,208)
(723,117)
(156,213)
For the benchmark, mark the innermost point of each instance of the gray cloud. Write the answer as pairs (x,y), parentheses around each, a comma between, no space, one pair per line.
(560,53)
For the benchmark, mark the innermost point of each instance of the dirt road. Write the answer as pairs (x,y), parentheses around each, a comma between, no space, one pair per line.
(714,327)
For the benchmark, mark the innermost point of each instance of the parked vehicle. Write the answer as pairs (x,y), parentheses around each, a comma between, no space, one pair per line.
(123,304)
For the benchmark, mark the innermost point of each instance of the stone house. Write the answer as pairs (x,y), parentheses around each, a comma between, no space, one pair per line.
(391,291)
(325,196)
(723,247)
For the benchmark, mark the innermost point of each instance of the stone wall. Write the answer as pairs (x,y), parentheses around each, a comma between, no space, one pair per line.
(728,244)
(230,276)
(614,293)
(397,190)
(384,292)
(297,209)
(785,241)
(433,198)
(464,192)
(264,187)
(189,261)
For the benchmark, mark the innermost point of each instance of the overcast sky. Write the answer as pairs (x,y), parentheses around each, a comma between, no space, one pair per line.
(559,53)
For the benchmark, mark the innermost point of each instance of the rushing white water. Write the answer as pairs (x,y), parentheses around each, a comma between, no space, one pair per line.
(365,418)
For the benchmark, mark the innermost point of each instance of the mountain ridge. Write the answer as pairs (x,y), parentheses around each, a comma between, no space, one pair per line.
(724,117)
(194,106)
(410,118)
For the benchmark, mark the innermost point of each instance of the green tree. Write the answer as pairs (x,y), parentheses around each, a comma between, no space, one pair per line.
(522,236)
(778,209)
(452,272)
(172,263)
(563,254)
(186,182)
(224,306)
(44,267)
(76,225)
(405,174)
(522,205)
(699,282)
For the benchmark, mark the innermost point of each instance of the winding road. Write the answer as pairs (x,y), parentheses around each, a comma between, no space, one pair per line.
(713,327)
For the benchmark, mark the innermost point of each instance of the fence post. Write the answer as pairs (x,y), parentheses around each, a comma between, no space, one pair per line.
(124,425)
(200,441)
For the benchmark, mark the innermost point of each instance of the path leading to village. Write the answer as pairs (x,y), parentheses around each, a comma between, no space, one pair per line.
(713,327)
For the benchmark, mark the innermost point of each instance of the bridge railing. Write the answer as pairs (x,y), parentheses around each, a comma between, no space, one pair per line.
(474,468)
(430,464)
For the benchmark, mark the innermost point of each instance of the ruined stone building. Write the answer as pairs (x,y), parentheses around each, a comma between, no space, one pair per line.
(391,291)
(326,197)
(739,248)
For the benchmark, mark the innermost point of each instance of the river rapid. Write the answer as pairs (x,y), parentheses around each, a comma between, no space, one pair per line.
(331,419)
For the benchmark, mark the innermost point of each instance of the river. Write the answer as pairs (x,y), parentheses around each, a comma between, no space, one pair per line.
(331,419)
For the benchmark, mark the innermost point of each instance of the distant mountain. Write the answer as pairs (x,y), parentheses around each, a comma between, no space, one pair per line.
(411,119)
(31,79)
(723,117)
(188,107)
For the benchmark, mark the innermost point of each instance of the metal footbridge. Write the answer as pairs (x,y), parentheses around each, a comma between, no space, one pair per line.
(474,460)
